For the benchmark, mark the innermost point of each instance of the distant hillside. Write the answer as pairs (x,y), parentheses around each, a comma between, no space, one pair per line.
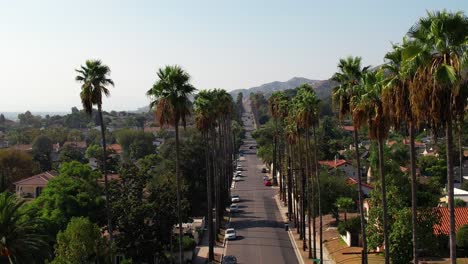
(322,87)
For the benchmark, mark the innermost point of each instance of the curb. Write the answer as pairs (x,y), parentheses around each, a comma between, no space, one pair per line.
(291,236)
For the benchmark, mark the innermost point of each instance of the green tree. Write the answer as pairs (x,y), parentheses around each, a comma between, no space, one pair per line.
(459,203)
(170,100)
(349,75)
(41,150)
(22,240)
(70,153)
(14,165)
(438,50)
(345,204)
(95,78)
(462,237)
(135,144)
(74,192)
(81,242)
(370,108)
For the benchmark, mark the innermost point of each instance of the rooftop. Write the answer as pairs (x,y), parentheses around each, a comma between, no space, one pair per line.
(40,179)
(333,163)
(461,218)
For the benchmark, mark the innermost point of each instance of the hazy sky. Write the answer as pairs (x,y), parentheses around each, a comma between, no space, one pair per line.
(224,44)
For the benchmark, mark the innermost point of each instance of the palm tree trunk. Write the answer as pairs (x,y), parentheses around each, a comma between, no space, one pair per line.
(360,197)
(310,195)
(104,171)
(460,151)
(384,201)
(209,196)
(216,182)
(414,203)
(179,218)
(319,197)
(450,188)
(275,181)
(290,208)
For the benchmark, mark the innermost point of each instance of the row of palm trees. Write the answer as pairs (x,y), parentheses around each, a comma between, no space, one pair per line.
(424,81)
(213,114)
(295,121)
(170,99)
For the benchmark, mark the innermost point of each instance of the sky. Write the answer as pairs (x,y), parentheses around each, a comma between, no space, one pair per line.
(220,43)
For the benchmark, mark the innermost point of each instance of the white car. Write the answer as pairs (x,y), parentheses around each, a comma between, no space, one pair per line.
(230,234)
(235,198)
(238,173)
(234,208)
(237,178)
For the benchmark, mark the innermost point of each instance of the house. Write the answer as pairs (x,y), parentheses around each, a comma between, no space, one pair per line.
(31,187)
(348,128)
(79,145)
(461,218)
(457,194)
(340,164)
(116,148)
(366,188)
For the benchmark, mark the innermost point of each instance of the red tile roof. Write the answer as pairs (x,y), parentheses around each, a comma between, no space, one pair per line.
(76,144)
(416,143)
(353,181)
(333,163)
(391,143)
(115,147)
(348,128)
(110,177)
(37,180)
(461,218)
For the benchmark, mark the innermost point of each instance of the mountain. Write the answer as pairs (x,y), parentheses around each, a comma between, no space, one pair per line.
(323,88)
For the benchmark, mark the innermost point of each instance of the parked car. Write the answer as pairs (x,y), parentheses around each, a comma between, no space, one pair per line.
(229,259)
(238,174)
(235,198)
(234,208)
(267,182)
(230,234)
(237,178)
(264,170)
(265,178)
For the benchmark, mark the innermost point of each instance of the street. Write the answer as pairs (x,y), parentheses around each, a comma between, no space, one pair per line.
(259,225)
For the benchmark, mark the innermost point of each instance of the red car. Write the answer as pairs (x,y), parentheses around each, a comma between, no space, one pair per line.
(267,182)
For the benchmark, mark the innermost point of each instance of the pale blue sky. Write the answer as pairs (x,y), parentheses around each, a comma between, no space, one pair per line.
(224,44)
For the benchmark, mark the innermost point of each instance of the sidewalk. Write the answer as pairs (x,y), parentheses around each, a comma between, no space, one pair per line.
(303,256)
(201,251)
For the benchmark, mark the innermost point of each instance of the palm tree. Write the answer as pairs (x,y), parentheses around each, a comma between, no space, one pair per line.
(274,102)
(307,117)
(170,100)
(205,120)
(95,78)
(21,241)
(396,102)
(349,75)
(439,48)
(369,108)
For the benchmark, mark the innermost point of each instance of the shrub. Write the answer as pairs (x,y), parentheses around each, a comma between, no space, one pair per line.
(352,225)
(462,237)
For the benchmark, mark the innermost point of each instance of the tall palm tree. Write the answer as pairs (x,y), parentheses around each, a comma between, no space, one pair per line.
(308,117)
(21,241)
(395,96)
(439,48)
(275,110)
(205,121)
(170,100)
(95,78)
(348,76)
(370,108)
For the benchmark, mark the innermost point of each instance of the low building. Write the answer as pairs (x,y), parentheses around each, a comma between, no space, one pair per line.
(461,219)
(342,165)
(31,187)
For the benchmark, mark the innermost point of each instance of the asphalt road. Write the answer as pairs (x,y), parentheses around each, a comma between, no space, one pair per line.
(259,226)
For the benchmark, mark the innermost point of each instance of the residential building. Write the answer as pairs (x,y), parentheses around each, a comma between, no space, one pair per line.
(31,187)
